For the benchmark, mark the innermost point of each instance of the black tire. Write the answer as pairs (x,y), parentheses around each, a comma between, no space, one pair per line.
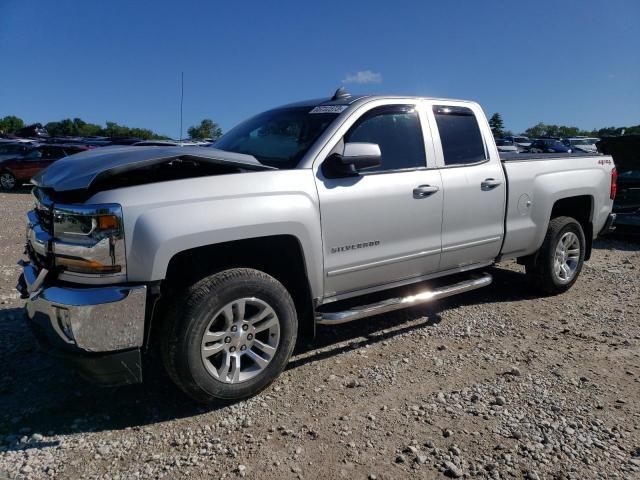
(8,181)
(541,269)
(188,318)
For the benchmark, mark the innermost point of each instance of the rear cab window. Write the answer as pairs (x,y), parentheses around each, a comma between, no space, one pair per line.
(460,135)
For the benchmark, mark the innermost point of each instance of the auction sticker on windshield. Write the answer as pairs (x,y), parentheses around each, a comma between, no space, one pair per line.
(329,109)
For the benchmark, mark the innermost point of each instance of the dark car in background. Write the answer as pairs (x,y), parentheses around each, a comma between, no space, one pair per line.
(19,169)
(13,149)
(625,151)
(548,145)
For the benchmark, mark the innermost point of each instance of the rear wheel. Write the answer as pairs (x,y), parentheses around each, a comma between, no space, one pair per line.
(7,181)
(559,261)
(229,335)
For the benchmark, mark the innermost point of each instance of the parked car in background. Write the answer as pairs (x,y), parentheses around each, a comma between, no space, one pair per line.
(15,140)
(13,149)
(156,143)
(168,143)
(548,145)
(93,141)
(506,146)
(582,144)
(19,169)
(523,143)
(625,151)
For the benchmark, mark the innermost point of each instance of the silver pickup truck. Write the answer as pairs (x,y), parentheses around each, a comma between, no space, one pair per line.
(315,213)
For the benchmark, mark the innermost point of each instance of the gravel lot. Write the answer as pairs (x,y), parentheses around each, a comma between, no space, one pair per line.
(495,383)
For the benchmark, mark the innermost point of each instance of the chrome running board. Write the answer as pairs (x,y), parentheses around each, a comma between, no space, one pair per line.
(388,305)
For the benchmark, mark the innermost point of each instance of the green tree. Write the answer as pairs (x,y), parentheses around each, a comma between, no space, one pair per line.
(75,127)
(208,129)
(114,130)
(497,125)
(633,130)
(10,124)
(615,131)
(538,130)
(564,131)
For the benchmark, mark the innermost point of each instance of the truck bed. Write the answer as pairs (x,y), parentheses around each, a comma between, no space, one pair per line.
(537,181)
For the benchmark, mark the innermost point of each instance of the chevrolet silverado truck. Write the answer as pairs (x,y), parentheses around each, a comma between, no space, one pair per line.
(315,213)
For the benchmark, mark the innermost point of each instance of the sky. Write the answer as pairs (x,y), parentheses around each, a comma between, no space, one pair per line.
(564,62)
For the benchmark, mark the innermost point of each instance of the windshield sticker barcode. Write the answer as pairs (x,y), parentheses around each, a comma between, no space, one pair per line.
(329,109)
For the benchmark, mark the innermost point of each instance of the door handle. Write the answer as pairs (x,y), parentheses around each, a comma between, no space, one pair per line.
(422,191)
(490,183)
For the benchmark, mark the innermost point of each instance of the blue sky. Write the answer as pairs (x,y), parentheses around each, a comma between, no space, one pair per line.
(568,62)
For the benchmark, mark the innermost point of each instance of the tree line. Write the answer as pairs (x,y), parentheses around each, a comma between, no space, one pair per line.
(208,129)
(76,127)
(549,130)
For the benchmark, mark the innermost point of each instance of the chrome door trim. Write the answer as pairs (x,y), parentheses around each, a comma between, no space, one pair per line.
(460,246)
(378,263)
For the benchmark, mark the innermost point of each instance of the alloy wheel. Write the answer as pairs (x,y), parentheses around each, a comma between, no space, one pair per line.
(240,340)
(567,257)
(7,181)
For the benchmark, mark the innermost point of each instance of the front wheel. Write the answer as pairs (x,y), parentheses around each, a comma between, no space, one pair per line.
(7,181)
(559,261)
(229,335)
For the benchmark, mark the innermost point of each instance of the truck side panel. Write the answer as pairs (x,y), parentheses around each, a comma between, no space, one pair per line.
(536,185)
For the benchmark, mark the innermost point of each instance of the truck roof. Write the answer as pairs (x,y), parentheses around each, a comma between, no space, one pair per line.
(342,97)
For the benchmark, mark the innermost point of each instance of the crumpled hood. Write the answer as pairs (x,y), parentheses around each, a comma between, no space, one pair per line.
(81,170)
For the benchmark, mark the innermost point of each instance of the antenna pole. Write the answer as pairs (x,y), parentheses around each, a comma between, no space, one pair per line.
(181,103)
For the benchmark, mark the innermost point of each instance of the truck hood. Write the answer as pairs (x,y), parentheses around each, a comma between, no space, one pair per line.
(82,170)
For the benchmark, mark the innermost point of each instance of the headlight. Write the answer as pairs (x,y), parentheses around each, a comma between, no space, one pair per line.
(89,239)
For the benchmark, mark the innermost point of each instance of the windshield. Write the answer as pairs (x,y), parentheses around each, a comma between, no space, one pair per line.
(504,143)
(585,141)
(521,140)
(278,138)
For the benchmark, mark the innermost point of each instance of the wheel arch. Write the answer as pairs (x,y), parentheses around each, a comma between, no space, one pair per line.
(581,208)
(281,256)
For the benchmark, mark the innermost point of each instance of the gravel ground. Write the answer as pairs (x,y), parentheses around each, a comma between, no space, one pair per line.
(494,383)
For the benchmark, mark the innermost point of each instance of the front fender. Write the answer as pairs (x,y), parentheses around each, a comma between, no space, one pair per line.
(167,218)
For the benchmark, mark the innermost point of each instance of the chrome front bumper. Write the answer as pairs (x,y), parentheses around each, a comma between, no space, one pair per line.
(88,320)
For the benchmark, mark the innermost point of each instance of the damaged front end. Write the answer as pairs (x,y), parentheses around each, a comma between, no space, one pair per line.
(114,167)
(80,302)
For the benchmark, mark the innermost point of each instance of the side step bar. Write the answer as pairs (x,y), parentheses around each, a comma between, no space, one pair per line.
(356,313)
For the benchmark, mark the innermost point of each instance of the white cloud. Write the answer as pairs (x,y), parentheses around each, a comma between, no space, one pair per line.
(363,76)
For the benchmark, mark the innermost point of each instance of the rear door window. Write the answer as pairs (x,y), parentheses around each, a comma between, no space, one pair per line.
(462,142)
